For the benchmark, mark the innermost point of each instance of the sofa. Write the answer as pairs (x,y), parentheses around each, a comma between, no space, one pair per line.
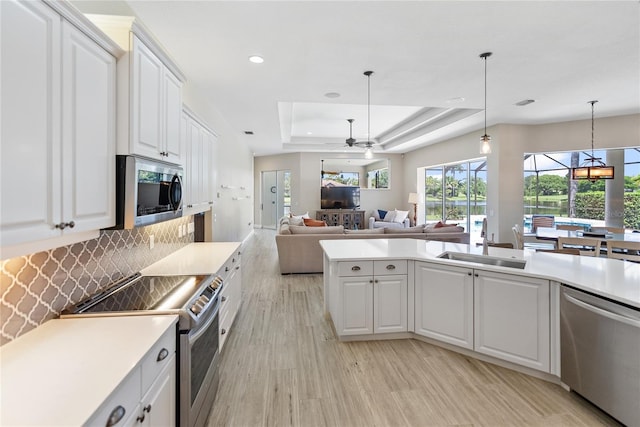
(299,248)
(389,219)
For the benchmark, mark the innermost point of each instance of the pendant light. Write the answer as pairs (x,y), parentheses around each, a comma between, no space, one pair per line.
(368,150)
(592,168)
(485,140)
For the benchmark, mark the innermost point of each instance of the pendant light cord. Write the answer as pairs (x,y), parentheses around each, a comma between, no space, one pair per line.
(592,128)
(485,95)
(368,74)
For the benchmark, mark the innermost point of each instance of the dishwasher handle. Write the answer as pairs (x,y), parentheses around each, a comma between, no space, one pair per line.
(602,312)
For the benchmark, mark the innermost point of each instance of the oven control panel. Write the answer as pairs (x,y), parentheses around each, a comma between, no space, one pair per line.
(209,293)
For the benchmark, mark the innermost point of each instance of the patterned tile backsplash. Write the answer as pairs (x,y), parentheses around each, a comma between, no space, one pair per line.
(38,287)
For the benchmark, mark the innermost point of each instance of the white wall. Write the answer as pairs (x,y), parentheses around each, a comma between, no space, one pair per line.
(305,182)
(229,220)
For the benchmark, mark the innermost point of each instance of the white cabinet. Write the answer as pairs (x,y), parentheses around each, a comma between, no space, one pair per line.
(231,296)
(147,396)
(58,127)
(444,303)
(199,143)
(512,318)
(372,297)
(156,104)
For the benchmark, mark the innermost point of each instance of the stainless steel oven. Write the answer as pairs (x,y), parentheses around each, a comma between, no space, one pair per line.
(196,300)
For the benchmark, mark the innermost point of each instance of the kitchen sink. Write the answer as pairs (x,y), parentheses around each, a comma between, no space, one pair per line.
(483,259)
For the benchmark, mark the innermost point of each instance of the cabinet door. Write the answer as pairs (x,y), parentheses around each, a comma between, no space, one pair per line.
(88,130)
(194,164)
(146,102)
(512,318)
(355,306)
(390,304)
(205,189)
(30,116)
(172,92)
(158,406)
(444,303)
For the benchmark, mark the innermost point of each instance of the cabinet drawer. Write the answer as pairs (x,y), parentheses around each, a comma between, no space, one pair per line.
(355,268)
(158,357)
(122,403)
(381,268)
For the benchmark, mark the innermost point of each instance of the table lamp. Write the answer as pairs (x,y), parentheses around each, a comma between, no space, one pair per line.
(413,199)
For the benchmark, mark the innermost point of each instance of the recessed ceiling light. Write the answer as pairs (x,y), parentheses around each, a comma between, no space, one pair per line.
(332,95)
(248,132)
(454,100)
(309,133)
(525,102)
(256,59)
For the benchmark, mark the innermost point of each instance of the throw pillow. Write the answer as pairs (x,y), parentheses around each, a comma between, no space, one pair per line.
(296,220)
(379,214)
(304,215)
(400,216)
(313,222)
(441,224)
(389,216)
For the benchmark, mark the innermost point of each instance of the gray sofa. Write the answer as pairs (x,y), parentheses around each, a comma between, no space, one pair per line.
(299,249)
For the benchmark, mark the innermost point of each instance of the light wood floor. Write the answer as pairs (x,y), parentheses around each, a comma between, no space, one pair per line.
(282,366)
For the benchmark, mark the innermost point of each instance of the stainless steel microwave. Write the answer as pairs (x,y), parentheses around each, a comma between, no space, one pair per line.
(147,192)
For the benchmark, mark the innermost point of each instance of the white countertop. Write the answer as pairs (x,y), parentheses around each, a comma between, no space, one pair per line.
(59,373)
(615,279)
(196,258)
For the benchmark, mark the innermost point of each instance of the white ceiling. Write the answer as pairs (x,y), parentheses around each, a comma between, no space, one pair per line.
(424,54)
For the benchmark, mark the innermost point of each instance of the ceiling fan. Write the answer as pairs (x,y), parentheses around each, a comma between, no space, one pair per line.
(368,144)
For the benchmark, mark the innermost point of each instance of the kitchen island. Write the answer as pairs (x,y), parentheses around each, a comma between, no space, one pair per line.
(502,307)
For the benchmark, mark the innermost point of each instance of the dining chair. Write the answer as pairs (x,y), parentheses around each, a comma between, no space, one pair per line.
(569,227)
(567,251)
(621,249)
(586,245)
(521,244)
(618,230)
(542,221)
(501,245)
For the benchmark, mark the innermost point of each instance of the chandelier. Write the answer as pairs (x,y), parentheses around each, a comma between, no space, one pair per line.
(593,168)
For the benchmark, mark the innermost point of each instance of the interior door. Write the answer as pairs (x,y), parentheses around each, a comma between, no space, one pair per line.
(269,199)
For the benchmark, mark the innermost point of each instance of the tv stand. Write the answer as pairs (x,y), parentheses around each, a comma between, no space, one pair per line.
(350,219)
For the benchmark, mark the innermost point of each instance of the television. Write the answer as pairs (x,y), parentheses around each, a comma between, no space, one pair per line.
(339,197)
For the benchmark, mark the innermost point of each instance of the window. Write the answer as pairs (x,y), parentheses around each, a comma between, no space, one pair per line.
(342,178)
(457,193)
(549,190)
(378,178)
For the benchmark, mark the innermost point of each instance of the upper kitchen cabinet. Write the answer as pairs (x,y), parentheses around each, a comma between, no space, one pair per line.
(58,84)
(200,145)
(149,92)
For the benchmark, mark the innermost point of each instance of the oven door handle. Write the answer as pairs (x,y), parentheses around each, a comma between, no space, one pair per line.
(195,334)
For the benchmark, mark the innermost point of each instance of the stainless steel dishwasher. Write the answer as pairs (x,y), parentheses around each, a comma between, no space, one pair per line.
(600,353)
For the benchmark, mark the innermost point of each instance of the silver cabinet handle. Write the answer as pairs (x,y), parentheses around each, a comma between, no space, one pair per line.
(61,226)
(237,267)
(223,299)
(115,416)
(162,355)
(355,268)
(147,408)
(391,267)
(371,281)
(223,331)
(375,281)
(71,224)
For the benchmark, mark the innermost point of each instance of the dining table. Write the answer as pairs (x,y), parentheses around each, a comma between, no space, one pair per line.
(551,233)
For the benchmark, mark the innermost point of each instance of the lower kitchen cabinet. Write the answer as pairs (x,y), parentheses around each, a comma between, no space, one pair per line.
(370,299)
(511,318)
(147,396)
(444,303)
(230,297)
